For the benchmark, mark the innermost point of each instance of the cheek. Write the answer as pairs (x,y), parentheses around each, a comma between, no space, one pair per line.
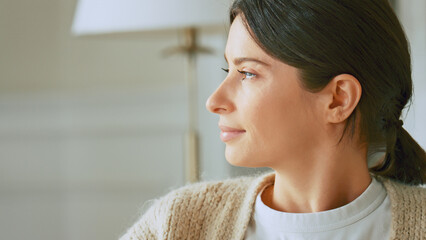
(274,112)
(280,122)
(257,112)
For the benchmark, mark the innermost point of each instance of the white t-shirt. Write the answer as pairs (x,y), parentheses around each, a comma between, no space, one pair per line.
(367,217)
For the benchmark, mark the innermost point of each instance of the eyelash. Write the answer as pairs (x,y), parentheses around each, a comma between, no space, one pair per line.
(242,72)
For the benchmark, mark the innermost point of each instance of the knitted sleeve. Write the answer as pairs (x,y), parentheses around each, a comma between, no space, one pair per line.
(205,210)
(154,222)
(173,215)
(408,205)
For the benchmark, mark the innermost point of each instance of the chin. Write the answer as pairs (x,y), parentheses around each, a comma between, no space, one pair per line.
(241,160)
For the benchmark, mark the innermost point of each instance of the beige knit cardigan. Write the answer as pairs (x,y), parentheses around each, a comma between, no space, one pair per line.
(222,210)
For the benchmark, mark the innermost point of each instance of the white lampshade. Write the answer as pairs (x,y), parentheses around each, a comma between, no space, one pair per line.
(107,16)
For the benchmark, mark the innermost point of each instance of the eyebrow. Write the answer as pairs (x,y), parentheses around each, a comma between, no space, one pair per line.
(238,61)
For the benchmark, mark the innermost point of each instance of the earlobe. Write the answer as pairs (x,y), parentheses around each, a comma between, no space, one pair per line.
(345,92)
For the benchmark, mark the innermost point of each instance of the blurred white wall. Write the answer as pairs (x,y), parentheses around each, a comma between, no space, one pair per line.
(412,14)
(92,127)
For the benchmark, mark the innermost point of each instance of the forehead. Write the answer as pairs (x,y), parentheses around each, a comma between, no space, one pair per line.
(241,44)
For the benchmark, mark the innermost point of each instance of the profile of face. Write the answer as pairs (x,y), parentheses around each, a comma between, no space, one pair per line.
(262,97)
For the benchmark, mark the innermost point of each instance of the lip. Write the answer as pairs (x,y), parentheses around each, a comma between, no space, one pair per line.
(228,133)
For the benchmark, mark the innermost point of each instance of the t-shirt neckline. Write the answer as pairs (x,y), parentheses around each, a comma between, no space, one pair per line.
(328,220)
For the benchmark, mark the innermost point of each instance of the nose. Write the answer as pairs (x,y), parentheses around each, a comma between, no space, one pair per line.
(219,101)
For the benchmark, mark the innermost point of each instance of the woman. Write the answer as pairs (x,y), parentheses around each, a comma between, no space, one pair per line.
(314,89)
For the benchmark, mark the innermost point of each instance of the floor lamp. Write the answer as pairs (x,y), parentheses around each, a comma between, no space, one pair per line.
(93,17)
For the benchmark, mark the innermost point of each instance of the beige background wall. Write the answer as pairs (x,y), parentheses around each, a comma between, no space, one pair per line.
(92,127)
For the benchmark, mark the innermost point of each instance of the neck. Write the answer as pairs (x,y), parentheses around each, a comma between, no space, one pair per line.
(330,181)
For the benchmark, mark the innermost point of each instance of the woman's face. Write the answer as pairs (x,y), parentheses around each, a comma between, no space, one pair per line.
(262,98)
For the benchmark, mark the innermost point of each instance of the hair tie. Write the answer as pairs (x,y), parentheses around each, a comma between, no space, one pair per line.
(393,124)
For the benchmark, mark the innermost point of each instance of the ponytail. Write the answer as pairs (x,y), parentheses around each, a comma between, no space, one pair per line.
(405,160)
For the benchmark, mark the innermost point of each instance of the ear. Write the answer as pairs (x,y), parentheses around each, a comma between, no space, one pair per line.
(343,94)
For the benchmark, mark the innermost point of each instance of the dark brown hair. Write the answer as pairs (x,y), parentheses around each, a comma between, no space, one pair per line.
(325,38)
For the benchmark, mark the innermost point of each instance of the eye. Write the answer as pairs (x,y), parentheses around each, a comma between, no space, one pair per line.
(248,75)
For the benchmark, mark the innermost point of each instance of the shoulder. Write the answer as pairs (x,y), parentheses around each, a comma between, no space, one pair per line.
(404,192)
(226,189)
(201,199)
(223,188)
(408,207)
(191,206)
